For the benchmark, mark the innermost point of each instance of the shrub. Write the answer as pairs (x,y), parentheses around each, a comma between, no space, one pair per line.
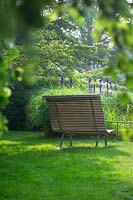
(37,113)
(15,111)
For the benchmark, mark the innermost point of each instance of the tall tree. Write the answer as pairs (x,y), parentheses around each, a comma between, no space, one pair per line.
(114,17)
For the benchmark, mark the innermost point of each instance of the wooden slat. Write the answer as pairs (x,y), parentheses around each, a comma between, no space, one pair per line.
(71,97)
(77,113)
(78,120)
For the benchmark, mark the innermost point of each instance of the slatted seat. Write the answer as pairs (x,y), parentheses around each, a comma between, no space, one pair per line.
(77,114)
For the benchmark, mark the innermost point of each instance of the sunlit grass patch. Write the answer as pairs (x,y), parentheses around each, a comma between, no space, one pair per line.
(32,167)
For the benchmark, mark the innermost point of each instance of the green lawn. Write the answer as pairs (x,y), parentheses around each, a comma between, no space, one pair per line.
(33,168)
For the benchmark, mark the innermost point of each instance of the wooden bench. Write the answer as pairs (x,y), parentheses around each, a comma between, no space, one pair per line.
(77,114)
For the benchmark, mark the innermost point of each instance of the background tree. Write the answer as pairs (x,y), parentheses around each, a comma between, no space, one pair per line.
(115,17)
(56,51)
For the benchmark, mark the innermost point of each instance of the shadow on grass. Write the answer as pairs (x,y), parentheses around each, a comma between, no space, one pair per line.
(35,137)
(87,148)
(37,143)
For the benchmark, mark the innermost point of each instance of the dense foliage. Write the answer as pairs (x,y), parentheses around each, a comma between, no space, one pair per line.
(114,17)
(15,110)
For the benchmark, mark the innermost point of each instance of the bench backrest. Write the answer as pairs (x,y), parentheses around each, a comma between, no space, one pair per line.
(81,114)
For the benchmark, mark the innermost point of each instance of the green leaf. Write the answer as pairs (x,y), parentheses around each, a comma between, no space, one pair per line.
(129,81)
(125,98)
(15,52)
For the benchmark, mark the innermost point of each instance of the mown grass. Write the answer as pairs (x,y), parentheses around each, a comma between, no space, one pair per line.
(33,168)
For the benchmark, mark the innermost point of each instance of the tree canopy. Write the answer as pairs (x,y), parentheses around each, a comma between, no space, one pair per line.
(113,17)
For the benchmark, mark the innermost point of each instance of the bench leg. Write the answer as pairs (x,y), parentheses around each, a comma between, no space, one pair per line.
(97,140)
(70,140)
(106,139)
(61,142)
